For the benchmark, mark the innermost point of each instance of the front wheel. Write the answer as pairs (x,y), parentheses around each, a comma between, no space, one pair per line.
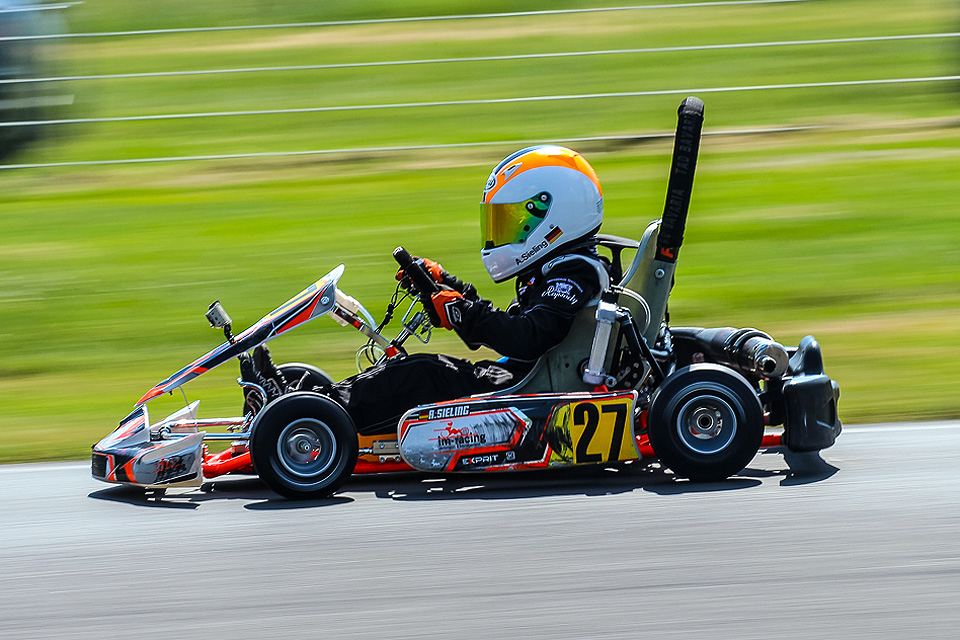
(307,375)
(303,446)
(705,422)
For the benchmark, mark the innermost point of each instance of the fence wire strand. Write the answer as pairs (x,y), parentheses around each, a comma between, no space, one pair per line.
(399,149)
(341,23)
(30,8)
(478,101)
(524,56)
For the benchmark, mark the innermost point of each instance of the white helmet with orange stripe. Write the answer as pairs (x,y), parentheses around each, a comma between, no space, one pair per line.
(536,201)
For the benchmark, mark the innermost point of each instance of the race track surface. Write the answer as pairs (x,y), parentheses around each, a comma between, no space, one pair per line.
(858,542)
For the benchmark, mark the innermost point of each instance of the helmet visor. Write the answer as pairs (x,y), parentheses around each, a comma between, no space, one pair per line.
(510,223)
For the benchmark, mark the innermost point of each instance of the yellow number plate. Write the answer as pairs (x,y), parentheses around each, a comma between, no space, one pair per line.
(600,430)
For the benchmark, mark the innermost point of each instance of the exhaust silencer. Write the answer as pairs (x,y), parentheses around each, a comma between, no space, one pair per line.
(749,350)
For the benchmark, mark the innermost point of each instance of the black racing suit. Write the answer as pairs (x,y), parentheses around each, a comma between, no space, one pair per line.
(537,320)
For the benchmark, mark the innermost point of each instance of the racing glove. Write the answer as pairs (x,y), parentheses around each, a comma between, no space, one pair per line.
(434,268)
(442,277)
(436,271)
(444,308)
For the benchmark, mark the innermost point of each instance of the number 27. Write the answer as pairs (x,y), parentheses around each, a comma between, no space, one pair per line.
(588,415)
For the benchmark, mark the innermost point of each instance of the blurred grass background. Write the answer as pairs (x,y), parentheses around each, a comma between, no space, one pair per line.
(848,230)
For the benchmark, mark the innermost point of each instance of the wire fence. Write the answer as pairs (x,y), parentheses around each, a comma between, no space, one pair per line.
(501,58)
(13,125)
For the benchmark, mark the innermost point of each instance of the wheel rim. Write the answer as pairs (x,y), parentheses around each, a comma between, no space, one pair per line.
(707,423)
(306,448)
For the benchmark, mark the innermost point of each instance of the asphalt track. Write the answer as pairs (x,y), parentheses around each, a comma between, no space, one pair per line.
(861,541)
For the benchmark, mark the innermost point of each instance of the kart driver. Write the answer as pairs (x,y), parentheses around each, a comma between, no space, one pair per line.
(541,209)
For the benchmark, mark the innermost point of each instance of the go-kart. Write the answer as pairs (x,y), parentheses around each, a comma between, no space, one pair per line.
(623,385)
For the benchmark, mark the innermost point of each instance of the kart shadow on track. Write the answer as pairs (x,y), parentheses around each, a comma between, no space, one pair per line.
(806,468)
(650,476)
(245,489)
(801,469)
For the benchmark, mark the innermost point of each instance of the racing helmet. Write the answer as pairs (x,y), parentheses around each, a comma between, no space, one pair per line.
(536,201)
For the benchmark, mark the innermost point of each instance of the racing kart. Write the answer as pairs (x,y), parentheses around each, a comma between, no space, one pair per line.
(623,385)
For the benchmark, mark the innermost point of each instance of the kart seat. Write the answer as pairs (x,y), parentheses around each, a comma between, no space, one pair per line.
(560,369)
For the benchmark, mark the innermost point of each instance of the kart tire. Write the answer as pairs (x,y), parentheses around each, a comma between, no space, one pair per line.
(294,371)
(303,446)
(705,422)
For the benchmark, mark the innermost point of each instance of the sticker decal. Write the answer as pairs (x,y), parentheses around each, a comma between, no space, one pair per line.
(451,438)
(520,432)
(166,469)
(436,438)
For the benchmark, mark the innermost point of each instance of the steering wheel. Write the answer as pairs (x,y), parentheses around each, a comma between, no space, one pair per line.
(423,282)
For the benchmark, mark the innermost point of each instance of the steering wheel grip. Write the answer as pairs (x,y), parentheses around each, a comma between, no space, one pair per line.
(418,273)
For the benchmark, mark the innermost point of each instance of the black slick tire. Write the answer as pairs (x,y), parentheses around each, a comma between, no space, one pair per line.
(310,375)
(303,446)
(705,422)
(306,375)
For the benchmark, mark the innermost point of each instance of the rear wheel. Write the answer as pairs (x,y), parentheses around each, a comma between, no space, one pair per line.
(705,422)
(303,446)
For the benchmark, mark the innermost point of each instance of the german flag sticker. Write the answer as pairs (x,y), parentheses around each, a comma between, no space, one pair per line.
(553,235)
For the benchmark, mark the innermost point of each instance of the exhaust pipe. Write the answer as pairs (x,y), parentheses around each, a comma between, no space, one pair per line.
(749,350)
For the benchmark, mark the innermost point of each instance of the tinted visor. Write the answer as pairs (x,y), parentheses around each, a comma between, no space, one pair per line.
(512,222)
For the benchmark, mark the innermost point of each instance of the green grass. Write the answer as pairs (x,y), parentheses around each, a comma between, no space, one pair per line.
(848,231)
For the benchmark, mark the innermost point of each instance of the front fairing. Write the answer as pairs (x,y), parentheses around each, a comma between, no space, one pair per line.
(132,455)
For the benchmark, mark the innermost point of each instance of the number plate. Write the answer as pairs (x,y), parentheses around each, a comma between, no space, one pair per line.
(600,430)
